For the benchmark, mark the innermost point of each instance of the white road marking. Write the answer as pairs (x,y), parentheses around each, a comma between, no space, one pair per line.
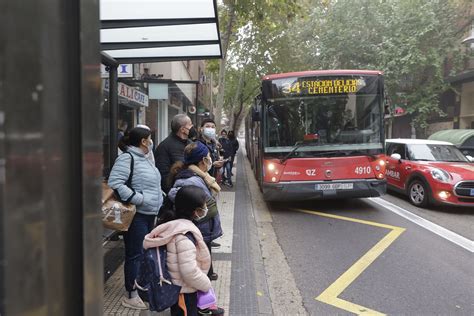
(438,230)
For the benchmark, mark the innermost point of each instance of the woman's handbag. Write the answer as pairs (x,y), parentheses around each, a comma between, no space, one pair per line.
(206,299)
(117,214)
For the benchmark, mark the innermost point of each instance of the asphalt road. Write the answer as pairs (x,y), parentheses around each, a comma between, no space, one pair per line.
(357,256)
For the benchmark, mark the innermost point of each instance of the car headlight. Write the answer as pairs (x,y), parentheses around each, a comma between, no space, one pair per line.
(440,175)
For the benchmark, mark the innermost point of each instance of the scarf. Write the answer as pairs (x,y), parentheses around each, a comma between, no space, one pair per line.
(210,181)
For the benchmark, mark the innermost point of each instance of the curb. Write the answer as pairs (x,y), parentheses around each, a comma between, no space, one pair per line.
(271,267)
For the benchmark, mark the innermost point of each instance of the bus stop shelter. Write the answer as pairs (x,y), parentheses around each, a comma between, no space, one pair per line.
(50,142)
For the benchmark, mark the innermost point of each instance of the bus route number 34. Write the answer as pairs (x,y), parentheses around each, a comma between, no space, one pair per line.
(363,170)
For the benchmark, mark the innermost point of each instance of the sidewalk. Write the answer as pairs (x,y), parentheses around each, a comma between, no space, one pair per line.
(251,266)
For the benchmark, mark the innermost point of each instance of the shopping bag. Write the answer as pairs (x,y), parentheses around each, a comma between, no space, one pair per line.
(117,214)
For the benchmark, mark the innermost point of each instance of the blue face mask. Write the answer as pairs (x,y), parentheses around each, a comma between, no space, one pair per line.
(209,132)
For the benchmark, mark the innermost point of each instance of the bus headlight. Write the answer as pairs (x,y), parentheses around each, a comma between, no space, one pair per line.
(271,166)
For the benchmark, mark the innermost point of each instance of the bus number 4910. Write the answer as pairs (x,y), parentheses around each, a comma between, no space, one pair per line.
(363,170)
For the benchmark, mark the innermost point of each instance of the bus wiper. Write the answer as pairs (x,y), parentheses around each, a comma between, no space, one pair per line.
(297,145)
(360,153)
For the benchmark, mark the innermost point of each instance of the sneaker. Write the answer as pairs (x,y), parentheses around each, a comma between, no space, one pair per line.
(211,311)
(215,244)
(134,302)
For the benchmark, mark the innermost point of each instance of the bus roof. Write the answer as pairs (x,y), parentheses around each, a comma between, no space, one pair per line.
(321,73)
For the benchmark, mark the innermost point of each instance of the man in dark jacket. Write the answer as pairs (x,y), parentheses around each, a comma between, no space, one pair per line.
(227,152)
(171,149)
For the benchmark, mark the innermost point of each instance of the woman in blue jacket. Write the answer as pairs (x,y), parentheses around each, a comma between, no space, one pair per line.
(145,193)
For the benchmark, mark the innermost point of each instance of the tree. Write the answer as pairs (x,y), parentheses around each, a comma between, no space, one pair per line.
(253,25)
(409,40)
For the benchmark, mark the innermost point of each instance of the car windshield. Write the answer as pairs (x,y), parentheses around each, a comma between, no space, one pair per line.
(435,153)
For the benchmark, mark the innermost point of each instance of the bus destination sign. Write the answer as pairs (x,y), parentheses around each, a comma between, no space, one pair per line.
(319,86)
(325,86)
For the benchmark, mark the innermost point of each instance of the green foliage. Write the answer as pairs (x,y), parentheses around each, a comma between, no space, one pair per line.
(409,40)
(257,38)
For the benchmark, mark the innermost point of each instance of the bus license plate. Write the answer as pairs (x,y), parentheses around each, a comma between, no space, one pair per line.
(334,186)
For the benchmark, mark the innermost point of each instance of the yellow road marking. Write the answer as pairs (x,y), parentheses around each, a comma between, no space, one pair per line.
(330,295)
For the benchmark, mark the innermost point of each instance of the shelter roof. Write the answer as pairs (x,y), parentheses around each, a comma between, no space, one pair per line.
(141,31)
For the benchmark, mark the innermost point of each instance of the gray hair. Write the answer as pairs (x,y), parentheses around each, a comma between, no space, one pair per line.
(178,121)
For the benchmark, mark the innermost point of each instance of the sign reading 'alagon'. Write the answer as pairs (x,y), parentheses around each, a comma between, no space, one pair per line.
(132,94)
(128,93)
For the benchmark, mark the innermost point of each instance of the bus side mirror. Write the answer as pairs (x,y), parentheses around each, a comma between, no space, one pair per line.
(255,115)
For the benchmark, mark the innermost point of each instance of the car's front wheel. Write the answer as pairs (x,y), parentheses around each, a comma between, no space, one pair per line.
(418,193)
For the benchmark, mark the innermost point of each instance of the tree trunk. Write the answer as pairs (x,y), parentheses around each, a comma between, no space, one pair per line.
(237,97)
(221,82)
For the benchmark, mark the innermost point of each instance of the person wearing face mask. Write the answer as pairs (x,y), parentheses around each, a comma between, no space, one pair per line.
(144,192)
(150,156)
(228,151)
(188,259)
(171,149)
(208,138)
(194,171)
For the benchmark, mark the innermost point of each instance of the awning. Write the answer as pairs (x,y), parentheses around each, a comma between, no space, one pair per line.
(142,31)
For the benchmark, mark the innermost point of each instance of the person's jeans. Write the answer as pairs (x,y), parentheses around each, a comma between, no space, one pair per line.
(141,225)
(232,162)
(228,171)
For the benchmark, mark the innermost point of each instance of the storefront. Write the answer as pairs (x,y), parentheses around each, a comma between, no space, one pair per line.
(132,104)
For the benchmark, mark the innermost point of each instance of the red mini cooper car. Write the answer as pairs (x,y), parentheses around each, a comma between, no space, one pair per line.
(430,172)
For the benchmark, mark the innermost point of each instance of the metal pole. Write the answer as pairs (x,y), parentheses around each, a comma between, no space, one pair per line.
(51,250)
(113,99)
(196,104)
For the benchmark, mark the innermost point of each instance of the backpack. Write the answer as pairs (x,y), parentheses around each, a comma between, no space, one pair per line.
(153,281)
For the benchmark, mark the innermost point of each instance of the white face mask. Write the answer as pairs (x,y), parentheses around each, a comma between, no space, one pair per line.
(198,218)
(209,132)
(150,147)
(208,165)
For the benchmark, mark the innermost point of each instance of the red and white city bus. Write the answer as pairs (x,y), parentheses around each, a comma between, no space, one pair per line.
(318,134)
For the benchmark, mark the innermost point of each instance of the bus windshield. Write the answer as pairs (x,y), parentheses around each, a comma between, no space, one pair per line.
(346,122)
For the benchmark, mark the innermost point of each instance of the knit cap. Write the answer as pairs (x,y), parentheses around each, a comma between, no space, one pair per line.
(197,154)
